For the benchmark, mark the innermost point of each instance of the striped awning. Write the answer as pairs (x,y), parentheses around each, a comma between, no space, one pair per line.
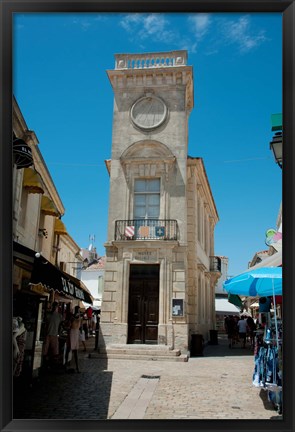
(59,227)
(32,181)
(48,207)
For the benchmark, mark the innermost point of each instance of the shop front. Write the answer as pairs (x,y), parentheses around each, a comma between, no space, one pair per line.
(37,283)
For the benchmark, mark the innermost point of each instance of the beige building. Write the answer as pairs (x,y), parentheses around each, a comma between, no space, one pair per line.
(45,256)
(160,271)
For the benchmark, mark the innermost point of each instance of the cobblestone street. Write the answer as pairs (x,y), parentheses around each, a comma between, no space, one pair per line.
(217,385)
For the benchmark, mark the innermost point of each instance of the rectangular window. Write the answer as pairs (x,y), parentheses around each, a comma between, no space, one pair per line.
(147,199)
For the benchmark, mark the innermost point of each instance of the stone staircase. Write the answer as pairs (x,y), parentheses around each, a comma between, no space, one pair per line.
(139,352)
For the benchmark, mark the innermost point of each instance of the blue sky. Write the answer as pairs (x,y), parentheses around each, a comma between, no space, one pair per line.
(61,85)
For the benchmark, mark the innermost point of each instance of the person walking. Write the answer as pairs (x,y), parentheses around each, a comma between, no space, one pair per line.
(93,323)
(251,327)
(52,327)
(231,330)
(74,338)
(89,312)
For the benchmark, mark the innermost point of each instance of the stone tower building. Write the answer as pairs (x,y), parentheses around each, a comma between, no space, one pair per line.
(159,281)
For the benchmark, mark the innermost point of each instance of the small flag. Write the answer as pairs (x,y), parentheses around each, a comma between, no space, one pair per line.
(144,231)
(129,231)
(160,231)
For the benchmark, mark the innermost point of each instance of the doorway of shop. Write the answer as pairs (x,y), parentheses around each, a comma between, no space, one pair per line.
(143,311)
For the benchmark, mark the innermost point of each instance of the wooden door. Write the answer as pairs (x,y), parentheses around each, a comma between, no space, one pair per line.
(143,316)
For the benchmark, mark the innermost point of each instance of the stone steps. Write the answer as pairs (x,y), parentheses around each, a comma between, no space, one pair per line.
(139,352)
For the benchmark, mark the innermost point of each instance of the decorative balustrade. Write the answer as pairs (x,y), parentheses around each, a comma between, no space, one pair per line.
(146,229)
(151,60)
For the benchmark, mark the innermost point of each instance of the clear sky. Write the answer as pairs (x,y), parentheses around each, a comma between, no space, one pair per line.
(61,86)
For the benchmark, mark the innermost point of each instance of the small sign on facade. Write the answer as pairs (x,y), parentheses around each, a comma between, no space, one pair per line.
(177,308)
(145,255)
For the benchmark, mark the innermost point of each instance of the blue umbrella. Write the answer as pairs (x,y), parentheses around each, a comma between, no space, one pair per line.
(260,282)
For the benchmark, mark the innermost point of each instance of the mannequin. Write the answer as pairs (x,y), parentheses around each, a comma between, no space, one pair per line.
(19,339)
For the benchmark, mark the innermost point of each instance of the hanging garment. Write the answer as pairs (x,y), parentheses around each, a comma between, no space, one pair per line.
(18,361)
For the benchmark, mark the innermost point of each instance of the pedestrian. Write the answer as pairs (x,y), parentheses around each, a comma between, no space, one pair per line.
(251,326)
(52,327)
(89,312)
(73,339)
(242,327)
(93,322)
(82,337)
(85,325)
(231,330)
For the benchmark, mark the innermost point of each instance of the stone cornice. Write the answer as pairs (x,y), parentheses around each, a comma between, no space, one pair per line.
(164,78)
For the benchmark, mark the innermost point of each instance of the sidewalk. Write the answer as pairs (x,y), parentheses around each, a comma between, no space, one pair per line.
(217,385)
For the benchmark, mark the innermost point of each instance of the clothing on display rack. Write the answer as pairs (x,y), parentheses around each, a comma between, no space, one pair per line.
(19,341)
(268,363)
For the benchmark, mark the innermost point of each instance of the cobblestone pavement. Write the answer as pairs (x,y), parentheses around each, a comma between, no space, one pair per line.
(217,385)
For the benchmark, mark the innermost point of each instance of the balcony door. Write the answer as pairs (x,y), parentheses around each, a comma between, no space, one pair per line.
(147,198)
(143,312)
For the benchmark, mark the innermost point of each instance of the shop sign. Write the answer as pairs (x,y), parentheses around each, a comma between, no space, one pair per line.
(22,154)
(70,288)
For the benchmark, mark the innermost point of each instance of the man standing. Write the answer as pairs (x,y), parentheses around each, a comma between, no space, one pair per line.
(242,326)
(51,345)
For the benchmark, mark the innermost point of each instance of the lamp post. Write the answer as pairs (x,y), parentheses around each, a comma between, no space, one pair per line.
(276,144)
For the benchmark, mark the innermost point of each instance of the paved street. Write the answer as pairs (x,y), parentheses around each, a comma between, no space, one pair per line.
(217,385)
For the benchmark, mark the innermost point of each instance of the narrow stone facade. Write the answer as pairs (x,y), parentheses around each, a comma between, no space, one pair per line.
(158,287)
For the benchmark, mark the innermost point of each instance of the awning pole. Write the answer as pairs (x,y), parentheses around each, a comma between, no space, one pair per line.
(275,313)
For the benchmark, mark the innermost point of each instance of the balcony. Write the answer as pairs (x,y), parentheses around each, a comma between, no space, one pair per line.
(146,229)
(215,264)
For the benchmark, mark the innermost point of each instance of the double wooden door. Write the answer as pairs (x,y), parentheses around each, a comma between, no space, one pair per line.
(143,312)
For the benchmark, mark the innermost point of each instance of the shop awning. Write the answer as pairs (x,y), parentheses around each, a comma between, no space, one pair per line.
(48,207)
(223,307)
(59,227)
(51,277)
(32,181)
(48,275)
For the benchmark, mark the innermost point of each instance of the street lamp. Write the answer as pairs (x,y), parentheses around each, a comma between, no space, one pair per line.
(276,146)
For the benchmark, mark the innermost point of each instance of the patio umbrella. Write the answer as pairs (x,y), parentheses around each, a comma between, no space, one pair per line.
(261,282)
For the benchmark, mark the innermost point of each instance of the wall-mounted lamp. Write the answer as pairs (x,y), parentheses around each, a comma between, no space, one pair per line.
(276,146)
(38,255)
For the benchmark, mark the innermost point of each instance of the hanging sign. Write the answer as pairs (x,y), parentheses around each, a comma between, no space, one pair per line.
(272,236)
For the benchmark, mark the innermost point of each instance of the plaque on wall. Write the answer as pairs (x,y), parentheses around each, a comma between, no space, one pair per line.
(177,308)
(145,255)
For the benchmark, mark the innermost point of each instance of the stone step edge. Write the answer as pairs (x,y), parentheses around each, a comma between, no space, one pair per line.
(142,352)
(122,356)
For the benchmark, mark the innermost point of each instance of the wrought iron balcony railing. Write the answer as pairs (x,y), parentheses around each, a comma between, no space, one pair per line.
(146,229)
(215,264)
